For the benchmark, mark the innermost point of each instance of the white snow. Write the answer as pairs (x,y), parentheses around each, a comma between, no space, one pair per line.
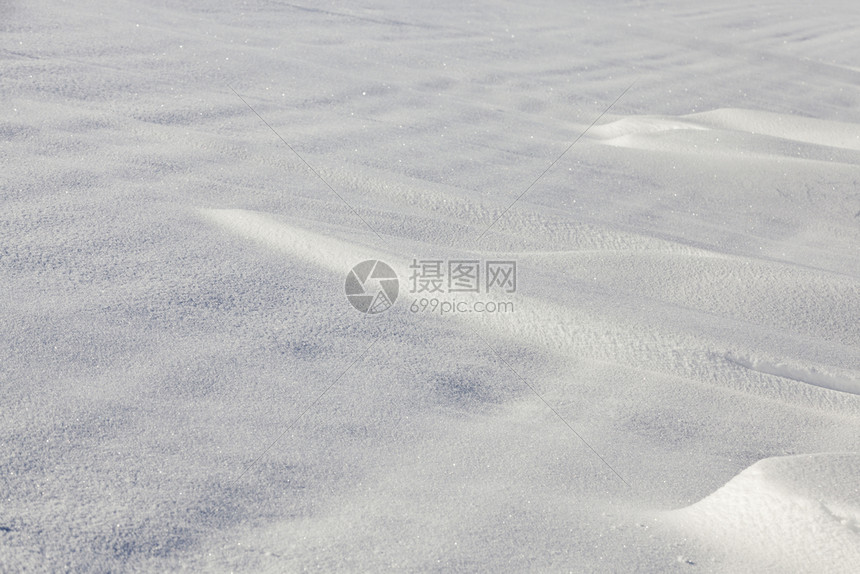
(810,375)
(784,514)
(185,385)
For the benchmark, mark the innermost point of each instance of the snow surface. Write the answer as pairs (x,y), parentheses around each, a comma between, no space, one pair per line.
(186,386)
(774,512)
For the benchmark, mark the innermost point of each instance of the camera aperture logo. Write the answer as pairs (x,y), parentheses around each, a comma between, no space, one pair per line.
(372,286)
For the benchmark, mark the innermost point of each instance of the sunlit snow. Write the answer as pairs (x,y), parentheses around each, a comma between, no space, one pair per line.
(656,369)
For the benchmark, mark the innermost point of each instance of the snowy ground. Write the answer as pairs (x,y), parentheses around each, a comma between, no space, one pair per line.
(185,385)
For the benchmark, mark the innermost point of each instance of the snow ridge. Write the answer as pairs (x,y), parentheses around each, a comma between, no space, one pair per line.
(810,375)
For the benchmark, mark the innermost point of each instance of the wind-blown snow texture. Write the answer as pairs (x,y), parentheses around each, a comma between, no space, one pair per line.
(186,387)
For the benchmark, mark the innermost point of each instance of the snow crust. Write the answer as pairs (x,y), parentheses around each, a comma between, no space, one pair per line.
(186,387)
(785,514)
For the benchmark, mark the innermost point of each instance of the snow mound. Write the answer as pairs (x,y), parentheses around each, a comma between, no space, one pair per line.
(641,125)
(304,244)
(783,514)
(740,130)
(790,127)
(810,375)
